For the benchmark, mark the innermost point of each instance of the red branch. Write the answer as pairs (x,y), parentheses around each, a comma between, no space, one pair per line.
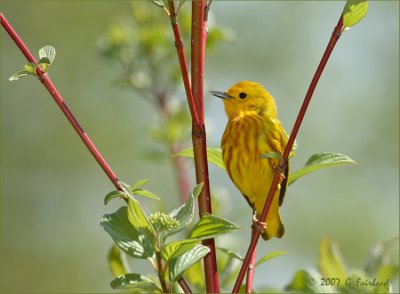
(250,269)
(45,79)
(199,36)
(182,61)
(332,42)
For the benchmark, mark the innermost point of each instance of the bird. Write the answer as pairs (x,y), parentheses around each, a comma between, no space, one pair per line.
(253,129)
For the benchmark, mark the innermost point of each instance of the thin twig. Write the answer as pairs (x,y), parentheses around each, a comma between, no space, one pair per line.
(250,269)
(45,79)
(161,273)
(182,61)
(334,38)
(185,287)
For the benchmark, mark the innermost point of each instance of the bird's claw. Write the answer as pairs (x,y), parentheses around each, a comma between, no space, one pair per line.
(279,171)
(259,225)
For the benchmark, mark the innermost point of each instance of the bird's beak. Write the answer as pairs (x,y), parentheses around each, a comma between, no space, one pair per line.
(222,95)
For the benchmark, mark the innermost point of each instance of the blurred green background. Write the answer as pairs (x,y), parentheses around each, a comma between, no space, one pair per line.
(52,190)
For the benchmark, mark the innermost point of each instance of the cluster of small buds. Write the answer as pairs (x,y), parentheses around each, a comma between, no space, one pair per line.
(163,222)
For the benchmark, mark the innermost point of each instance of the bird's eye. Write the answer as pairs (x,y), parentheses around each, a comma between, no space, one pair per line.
(242,95)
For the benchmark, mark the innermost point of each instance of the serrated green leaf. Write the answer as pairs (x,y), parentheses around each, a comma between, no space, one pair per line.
(178,265)
(184,213)
(210,226)
(308,281)
(114,194)
(320,161)
(269,256)
(177,248)
(129,239)
(139,220)
(231,253)
(353,12)
(330,262)
(116,262)
(214,155)
(139,184)
(47,52)
(145,193)
(135,282)
(274,155)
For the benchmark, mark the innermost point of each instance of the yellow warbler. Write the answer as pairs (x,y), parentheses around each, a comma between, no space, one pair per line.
(253,129)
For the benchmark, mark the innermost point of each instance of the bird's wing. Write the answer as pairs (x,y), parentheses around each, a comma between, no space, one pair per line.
(277,140)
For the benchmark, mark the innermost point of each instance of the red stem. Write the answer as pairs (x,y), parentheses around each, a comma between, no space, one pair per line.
(43,77)
(250,269)
(199,35)
(182,61)
(185,287)
(332,42)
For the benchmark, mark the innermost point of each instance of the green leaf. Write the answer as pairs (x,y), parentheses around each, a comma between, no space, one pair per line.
(145,193)
(18,75)
(139,184)
(137,190)
(231,253)
(114,194)
(353,12)
(139,220)
(387,272)
(135,282)
(330,263)
(44,64)
(184,214)
(131,241)
(48,52)
(210,226)
(269,256)
(319,161)
(29,69)
(178,265)
(308,282)
(126,189)
(116,262)
(177,248)
(196,191)
(275,155)
(159,3)
(214,155)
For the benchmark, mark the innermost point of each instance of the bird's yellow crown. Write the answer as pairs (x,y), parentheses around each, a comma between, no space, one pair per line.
(248,97)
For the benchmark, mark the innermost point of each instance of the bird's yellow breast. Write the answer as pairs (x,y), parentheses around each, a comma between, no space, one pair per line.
(244,141)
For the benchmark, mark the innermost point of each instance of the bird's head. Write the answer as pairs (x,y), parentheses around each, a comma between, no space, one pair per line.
(247,98)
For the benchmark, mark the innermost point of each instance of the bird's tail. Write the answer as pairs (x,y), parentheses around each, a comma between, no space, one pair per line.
(275,228)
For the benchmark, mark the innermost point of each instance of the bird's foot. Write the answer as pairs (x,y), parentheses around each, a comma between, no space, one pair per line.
(279,171)
(259,225)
